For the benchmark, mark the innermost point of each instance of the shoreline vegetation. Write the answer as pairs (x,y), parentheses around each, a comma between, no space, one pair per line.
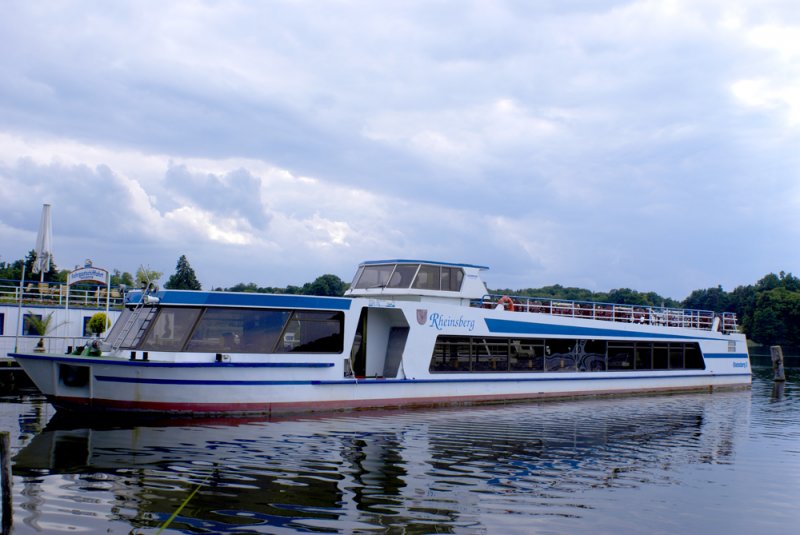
(768,311)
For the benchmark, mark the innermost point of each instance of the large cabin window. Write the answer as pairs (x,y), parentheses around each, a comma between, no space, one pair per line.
(242,330)
(479,354)
(236,330)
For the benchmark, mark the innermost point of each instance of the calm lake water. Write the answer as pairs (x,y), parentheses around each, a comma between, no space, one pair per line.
(727,462)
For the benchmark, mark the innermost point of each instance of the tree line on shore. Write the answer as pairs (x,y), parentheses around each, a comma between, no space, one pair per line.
(768,311)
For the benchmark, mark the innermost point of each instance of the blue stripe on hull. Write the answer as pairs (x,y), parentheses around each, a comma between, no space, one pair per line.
(76,360)
(209,382)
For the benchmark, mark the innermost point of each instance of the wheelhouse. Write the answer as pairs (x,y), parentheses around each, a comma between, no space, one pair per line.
(417,278)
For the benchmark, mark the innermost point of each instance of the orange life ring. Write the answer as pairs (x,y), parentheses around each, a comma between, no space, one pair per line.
(507,302)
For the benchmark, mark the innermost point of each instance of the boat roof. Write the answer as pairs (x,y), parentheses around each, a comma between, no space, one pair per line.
(240,299)
(429,262)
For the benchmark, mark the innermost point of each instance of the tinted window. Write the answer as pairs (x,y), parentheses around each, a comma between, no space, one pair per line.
(526,355)
(620,356)
(644,357)
(235,330)
(660,356)
(479,354)
(374,276)
(402,276)
(312,332)
(428,278)
(451,354)
(490,354)
(560,355)
(170,329)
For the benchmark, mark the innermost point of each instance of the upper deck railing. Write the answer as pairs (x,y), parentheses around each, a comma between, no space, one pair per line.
(56,294)
(705,320)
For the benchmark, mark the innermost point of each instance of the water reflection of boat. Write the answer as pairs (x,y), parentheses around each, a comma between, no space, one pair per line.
(412,468)
(408,333)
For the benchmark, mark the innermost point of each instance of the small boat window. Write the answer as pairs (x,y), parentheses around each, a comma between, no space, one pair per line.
(452,278)
(439,278)
(374,276)
(403,275)
(428,278)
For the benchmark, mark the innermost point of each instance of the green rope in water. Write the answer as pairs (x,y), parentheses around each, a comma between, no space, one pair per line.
(179,509)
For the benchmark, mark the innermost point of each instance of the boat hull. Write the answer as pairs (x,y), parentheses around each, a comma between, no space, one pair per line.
(108,384)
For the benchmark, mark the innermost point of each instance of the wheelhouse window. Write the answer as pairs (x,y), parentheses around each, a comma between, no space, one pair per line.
(439,278)
(402,276)
(374,276)
(419,276)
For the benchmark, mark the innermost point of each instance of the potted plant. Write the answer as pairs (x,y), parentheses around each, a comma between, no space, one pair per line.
(98,323)
(41,325)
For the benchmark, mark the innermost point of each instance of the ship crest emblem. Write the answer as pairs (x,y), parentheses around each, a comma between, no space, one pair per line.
(422,316)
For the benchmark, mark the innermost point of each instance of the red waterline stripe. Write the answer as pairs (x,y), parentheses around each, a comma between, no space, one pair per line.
(74,403)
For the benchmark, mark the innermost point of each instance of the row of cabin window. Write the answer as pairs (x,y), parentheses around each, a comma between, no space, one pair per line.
(239,330)
(478,354)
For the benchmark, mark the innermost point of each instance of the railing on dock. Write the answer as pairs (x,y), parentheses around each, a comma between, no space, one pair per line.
(647,315)
(56,294)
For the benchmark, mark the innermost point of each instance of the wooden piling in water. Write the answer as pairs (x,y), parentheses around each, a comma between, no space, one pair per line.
(5,483)
(777,363)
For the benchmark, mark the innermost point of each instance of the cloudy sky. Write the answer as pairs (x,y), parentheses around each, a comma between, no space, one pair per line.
(603,144)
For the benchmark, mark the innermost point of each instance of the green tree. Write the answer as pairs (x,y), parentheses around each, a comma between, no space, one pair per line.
(144,276)
(327,284)
(250,287)
(715,299)
(118,278)
(184,277)
(776,318)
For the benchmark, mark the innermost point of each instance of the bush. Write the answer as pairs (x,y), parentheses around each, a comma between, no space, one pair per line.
(99,323)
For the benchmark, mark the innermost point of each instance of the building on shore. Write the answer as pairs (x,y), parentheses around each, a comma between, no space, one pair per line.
(71,309)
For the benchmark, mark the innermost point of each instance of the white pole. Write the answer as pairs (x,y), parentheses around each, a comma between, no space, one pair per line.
(66,311)
(19,308)
(108,294)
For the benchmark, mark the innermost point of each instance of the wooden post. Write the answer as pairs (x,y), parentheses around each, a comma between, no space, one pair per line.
(5,483)
(777,363)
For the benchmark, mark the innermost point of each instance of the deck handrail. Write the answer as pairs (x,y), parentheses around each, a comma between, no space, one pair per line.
(55,294)
(705,320)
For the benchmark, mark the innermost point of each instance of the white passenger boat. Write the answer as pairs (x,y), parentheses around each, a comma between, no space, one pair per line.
(406,333)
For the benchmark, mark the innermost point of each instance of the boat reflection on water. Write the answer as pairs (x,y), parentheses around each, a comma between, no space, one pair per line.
(444,470)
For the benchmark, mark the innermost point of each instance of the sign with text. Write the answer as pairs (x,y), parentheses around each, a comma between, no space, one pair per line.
(88,274)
